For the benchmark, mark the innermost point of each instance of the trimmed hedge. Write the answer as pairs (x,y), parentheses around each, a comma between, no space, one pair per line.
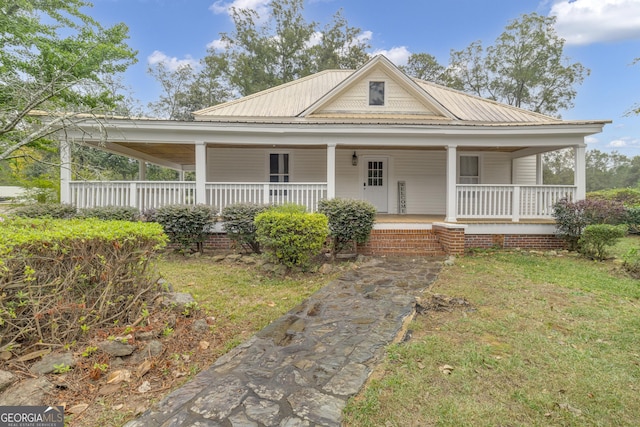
(349,221)
(45,210)
(60,278)
(597,237)
(292,237)
(239,224)
(111,213)
(186,225)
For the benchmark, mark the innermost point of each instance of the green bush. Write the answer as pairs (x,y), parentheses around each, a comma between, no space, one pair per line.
(633,220)
(597,237)
(46,210)
(291,237)
(111,213)
(61,278)
(629,197)
(349,221)
(239,224)
(572,217)
(186,225)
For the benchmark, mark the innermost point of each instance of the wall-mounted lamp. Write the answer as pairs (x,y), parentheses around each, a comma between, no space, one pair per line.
(354,159)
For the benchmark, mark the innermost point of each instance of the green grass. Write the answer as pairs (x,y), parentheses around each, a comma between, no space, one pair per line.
(552,341)
(242,300)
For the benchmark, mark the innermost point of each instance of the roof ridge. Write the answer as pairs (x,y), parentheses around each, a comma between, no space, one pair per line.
(267,91)
(491,101)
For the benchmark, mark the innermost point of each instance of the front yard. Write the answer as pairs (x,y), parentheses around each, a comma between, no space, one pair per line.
(545,341)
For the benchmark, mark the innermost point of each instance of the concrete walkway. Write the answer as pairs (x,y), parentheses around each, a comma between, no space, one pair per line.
(302,369)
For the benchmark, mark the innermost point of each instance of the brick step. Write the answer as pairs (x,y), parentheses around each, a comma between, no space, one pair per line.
(403,242)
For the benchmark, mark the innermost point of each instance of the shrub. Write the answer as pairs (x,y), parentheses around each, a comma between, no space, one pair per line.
(633,220)
(186,225)
(349,221)
(62,277)
(46,210)
(572,217)
(111,213)
(239,223)
(290,236)
(597,237)
(629,197)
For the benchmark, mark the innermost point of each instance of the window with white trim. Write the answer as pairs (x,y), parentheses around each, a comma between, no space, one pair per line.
(469,170)
(376,93)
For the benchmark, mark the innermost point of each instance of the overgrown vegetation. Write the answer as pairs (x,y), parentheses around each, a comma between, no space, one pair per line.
(239,224)
(350,221)
(290,235)
(186,225)
(596,238)
(62,278)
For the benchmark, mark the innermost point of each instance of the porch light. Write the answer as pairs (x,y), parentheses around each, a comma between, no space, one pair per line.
(354,159)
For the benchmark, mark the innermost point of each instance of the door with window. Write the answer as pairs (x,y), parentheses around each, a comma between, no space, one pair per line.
(375,183)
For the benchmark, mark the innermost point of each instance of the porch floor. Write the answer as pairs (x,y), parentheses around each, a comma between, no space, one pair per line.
(430,219)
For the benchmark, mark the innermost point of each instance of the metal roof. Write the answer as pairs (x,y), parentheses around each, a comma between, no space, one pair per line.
(291,101)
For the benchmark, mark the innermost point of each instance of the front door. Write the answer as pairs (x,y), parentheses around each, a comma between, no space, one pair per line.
(375,183)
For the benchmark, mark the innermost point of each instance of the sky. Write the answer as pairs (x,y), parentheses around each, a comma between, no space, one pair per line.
(603,35)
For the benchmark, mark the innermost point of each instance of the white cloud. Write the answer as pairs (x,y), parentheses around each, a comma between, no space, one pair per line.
(172,63)
(218,45)
(260,6)
(624,142)
(582,22)
(397,55)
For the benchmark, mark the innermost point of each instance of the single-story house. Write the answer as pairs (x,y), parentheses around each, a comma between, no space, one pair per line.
(432,160)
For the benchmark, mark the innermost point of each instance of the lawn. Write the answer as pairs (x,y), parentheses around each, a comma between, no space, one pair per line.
(547,341)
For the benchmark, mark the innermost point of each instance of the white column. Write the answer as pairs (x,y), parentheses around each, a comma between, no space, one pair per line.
(201,172)
(142,170)
(539,170)
(451,183)
(331,171)
(180,175)
(580,174)
(65,171)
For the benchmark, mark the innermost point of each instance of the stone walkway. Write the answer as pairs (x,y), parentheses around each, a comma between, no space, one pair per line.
(302,369)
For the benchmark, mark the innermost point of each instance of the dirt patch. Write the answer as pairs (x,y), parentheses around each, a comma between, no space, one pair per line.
(439,302)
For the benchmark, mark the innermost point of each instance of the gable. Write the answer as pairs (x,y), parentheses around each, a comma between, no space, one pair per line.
(398,100)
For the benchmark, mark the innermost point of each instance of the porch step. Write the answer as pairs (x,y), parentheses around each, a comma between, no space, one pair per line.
(402,242)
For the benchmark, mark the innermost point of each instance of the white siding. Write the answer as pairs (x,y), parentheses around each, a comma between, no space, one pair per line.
(251,164)
(495,168)
(397,99)
(524,170)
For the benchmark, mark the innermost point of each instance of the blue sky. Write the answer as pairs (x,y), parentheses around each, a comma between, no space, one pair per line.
(604,35)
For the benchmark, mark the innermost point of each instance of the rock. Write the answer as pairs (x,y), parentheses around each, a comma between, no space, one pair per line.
(5,355)
(200,326)
(145,387)
(116,348)
(263,411)
(218,258)
(450,261)
(146,336)
(6,379)
(164,285)
(317,407)
(325,269)
(248,260)
(28,392)
(152,349)
(53,361)
(551,253)
(177,301)
(233,257)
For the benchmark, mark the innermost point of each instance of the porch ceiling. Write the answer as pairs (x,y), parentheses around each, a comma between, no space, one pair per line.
(183,154)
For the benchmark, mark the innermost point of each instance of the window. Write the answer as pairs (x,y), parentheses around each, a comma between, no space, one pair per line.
(376,93)
(278,167)
(469,170)
(375,174)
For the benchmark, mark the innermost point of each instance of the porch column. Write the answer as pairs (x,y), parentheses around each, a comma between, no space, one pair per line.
(450,214)
(331,171)
(142,170)
(580,174)
(539,170)
(201,172)
(65,172)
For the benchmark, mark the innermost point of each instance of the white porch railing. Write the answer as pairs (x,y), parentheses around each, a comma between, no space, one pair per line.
(150,194)
(510,201)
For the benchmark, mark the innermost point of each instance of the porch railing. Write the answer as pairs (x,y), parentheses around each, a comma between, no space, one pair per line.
(510,201)
(151,194)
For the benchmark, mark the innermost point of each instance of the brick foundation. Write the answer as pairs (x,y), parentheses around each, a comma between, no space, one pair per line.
(512,241)
(402,242)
